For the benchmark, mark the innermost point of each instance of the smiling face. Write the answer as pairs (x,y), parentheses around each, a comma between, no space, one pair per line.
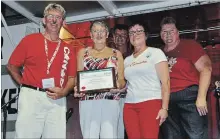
(137,36)
(169,34)
(53,21)
(120,37)
(99,33)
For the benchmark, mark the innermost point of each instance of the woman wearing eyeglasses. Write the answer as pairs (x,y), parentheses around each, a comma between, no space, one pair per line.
(147,75)
(99,111)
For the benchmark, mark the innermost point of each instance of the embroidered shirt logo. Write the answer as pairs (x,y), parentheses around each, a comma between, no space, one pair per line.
(137,63)
(171,62)
(64,66)
(148,55)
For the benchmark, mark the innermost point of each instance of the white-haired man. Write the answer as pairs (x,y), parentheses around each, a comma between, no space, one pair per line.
(48,75)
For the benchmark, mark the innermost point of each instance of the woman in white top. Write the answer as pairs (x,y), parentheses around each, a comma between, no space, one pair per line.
(147,74)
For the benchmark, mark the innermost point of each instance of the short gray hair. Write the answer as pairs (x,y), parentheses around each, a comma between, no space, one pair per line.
(54,6)
(102,23)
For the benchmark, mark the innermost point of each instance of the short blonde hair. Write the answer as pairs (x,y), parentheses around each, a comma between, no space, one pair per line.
(54,6)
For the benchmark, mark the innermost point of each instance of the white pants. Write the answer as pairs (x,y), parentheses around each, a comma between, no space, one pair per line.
(40,116)
(121,129)
(99,118)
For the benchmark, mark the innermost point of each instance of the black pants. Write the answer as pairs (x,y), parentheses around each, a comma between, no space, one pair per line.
(184,121)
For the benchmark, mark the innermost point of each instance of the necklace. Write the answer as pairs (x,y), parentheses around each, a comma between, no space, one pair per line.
(97,51)
(136,54)
(45,34)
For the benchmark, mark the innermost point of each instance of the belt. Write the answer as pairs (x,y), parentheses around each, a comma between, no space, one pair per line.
(194,85)
(33,87)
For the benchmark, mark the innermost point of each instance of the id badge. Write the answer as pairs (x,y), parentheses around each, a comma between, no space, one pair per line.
(48,83)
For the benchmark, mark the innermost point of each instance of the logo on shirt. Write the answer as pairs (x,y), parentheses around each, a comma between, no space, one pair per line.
(171,62)
(64,65)
(136,63)
(148,55)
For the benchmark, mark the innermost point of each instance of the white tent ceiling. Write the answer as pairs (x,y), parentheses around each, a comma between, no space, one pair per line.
(79,11)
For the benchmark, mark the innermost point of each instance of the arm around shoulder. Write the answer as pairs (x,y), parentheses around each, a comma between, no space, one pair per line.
(80,56)
(121,81)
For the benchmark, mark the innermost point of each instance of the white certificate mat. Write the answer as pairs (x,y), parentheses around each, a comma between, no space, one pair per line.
(96,79)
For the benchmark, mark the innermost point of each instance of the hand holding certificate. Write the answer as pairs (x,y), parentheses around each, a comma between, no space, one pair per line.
(96,80)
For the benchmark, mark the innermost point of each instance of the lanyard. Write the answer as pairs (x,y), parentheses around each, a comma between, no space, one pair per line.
(49,63)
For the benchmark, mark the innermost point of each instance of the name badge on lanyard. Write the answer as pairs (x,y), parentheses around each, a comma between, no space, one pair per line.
(48,83)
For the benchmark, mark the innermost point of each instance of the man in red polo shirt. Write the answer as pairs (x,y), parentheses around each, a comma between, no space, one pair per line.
(49,70)
(190,74)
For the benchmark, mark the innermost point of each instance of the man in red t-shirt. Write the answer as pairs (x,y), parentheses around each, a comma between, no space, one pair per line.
(190,74)
(49,70)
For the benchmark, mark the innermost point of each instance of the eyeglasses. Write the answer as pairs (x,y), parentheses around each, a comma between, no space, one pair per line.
(120,36)
(169,32)
(137,32)
(98,31)
(50,17)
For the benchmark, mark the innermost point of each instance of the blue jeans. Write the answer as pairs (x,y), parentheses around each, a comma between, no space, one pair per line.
(184,120)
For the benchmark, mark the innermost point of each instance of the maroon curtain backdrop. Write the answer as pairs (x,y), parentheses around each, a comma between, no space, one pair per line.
(214,54)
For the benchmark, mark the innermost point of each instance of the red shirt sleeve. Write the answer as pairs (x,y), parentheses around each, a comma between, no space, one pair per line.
(72,63)
(194,50)
(17,57)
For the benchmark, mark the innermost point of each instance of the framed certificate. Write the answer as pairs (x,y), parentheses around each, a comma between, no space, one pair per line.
(96,80)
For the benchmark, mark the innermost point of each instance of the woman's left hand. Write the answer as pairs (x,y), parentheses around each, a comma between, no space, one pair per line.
(118,90)
(162,115)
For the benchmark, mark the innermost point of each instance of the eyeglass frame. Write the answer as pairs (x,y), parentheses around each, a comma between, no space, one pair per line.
(99,31)
(51,16)
(168,32)
(137,32)
(121,36)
